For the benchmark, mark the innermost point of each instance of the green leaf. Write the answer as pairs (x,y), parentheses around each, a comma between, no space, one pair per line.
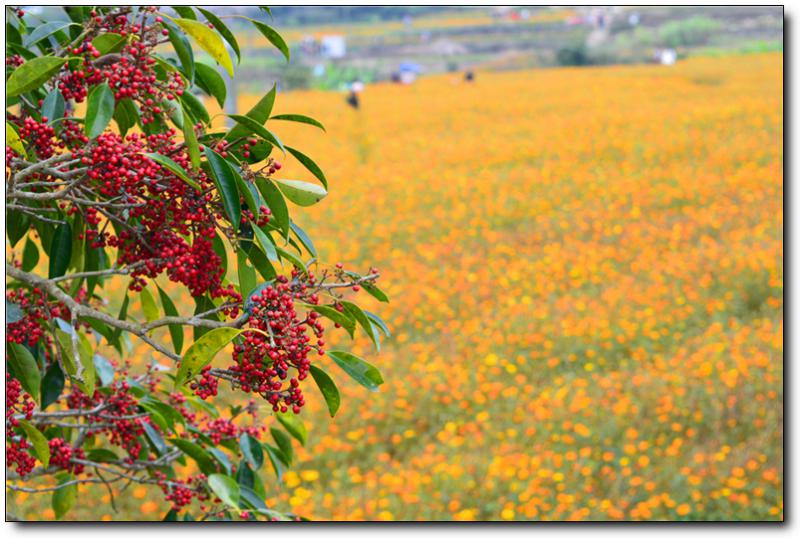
(154,437)
(225,488)
(104,370)
(173,167)
(99,110)
(301,192)
(64,497)
(304,239)
(334,315)
(175,331)
(222,459)
(190,137)
(247,274)
(33,74)
(13,141)
(126,115)
(202,351)
(85,356)
(310,165)
(13,312)
(223,176)
(297,262)
(251,498)
(223,30)
(252,126)
(53,106)
(205,461)
(196,107)
(46,30)
(328,389)
(276,203)
(294,426)
(375,291)
(378,322)
(366,374)
(185,11)
(284,442)
(60,251)
(208,40)
(273,37)
(260,113)
(101,455)
(277,459)
(108,42)
(265,243)
(355,312)
(39,442)
(211,81)
(17,225)
(251,450)
(247,194)
(149,306)
(52,384)
(261,263)
(25,368)
(184,51)
(299,118)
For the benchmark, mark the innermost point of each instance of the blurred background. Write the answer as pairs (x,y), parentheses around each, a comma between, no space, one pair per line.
(578,216)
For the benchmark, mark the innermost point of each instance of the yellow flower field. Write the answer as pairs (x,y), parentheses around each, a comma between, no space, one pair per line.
(586,277)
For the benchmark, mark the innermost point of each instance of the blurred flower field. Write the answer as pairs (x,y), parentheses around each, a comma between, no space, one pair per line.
(586,277)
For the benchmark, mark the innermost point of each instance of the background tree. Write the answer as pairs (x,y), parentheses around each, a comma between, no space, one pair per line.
(113,170)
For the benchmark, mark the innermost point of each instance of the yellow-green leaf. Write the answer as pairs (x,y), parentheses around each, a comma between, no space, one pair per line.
(38,440)
(209,40)
(202,351)
(13,141)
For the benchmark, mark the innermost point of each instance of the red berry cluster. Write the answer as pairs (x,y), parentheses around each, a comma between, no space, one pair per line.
(38,312)
(18,402)
(17,452)
(206,386)
(38,135)
(278,349)
(61,454)
(181,492)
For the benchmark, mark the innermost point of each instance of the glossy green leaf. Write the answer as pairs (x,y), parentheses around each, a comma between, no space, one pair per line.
(126,115)
(183,49)
(209,41)
(247,194)
(334,315)
(202,351)
(251,450)
(297,262)
(276,203)
(99,110)
(13,312)
(154,437)
(38,440)
(13,141)
(247,274)
(64,497)
(25,368)
(378,322)
(260,113)
(175,331)
(274,38)
(310,165)
(266,244)
(205,461)
(53,106)
(149,306)
(223,176)
(211,82)
(363,372)
(104,369)
(262,264)
(185,11)
(225,488)
(60,250)
(190,138)
(301,193)
(173,167)
(284,443)
(223,30)
(195,107)
(328,389)
(298,118)
(109,42)
(52,384)
(355,312)
(252,126)
(304,239)
(294,426)
(33,74)
(46,30)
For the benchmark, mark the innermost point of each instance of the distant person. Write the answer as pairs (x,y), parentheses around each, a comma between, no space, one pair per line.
(469,76)
(356,87)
